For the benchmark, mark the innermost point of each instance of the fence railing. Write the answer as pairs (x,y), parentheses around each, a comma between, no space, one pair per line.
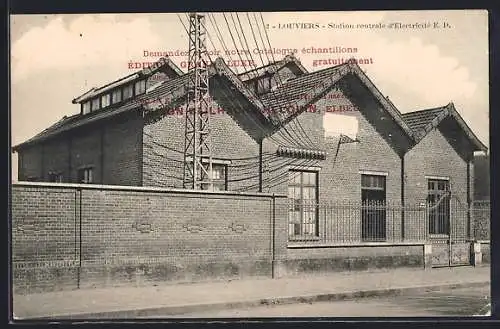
(347,222)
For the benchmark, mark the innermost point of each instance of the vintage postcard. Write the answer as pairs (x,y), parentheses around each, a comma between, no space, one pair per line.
(250,164)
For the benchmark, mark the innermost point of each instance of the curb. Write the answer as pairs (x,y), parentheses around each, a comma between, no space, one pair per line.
(177,310)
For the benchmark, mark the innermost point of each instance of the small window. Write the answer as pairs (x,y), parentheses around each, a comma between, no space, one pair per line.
(96,104)
(55,177)
(105,100)
(117,96)
(219,172)
(263,85)
(85,175)
(128,91)
(140,87)
(86,107)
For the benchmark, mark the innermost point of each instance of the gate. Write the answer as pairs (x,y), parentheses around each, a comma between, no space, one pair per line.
(449,221)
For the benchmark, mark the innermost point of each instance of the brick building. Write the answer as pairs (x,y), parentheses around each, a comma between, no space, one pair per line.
(269,135)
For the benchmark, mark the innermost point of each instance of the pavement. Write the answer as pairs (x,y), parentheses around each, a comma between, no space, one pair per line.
(175,299)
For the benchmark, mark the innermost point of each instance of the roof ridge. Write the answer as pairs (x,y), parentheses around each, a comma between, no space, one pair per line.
(427,110)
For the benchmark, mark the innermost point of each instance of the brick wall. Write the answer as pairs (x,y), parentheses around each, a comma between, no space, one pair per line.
(434,156)
(30,164)
(164,147)
(135,236)
(111,149)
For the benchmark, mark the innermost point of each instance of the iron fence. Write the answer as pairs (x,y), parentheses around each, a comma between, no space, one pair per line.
(347,222)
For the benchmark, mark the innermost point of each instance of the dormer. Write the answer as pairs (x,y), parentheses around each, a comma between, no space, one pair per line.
(266,78)
(127,87)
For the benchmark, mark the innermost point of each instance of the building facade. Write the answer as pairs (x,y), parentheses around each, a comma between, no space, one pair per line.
(268,135)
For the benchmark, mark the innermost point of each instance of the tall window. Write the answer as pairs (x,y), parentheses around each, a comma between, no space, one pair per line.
(438,199)
(116,96)
(140,87)
(303,195)
(373,212)
(128,91)
(85,175)
(105,100)
(86,107)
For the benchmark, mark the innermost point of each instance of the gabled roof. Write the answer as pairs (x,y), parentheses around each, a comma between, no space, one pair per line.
(271,68)
(306,89)
(174,88)
(162,65)
(250,115)
(424,121)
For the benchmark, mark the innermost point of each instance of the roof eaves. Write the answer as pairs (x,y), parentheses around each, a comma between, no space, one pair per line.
(468,132)
(222,68)
(145,72)
(388,106)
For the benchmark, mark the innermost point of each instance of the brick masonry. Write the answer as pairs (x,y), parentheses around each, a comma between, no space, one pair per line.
(111,148)
(179,238)
(70,237)
(434,156)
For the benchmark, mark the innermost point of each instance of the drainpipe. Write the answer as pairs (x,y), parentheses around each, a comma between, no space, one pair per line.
(70,146)
(260,164)
(402,197)
(102,154)
(468,199)
(273,241)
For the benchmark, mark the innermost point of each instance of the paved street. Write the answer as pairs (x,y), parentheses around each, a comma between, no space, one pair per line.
(449,302)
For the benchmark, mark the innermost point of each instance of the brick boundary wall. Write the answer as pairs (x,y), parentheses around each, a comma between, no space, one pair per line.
(69,236)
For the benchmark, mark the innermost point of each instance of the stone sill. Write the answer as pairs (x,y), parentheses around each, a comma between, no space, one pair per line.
(301,245)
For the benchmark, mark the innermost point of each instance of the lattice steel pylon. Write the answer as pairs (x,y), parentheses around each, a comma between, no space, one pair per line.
(197,147)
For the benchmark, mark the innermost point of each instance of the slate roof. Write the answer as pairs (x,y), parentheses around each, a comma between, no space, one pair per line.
(161,65)
(263,115)
(424,121)
(295,88)
(77,120)
(419,120)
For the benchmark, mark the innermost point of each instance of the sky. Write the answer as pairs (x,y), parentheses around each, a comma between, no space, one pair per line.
(55,58)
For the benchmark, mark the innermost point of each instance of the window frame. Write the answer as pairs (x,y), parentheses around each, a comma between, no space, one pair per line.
(86,107)
(117,91)
(85,170)
(373,216)
(108,96)
(433,194)
(97,101)
(130,87)
(58,177)
(220,181)
(142,83)
(298,207)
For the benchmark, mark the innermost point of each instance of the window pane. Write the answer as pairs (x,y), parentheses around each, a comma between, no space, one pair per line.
(86,107)
(105,100)
(128,91)
(95,104)
(297,177)
(305,193)
(117,96)
(140,87)
(365,181)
